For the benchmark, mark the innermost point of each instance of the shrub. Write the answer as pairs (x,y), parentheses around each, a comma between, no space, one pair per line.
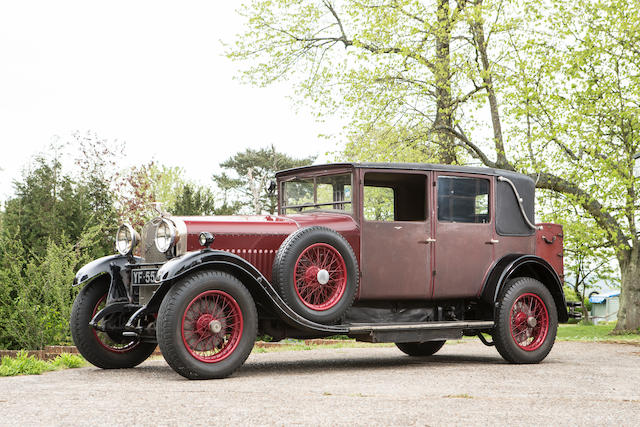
(23,364)
(36,293)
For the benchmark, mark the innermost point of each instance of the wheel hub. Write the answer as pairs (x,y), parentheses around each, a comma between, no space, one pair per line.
(322,276)
(521,318)
(215,326)
(311,275)
(202,325)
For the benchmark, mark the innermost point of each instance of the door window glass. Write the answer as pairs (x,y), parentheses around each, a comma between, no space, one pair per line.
(462,199)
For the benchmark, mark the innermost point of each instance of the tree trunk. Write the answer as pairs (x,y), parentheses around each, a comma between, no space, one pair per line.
(444,115)
(629,313)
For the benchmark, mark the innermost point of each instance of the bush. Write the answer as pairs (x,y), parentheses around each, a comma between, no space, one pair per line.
(23,364)
(36,293)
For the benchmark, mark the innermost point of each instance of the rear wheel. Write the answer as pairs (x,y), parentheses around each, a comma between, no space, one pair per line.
(108,350)
(207,325)
(420,349)
(527,321)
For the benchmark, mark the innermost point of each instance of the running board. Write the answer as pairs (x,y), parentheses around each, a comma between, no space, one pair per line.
(416,332)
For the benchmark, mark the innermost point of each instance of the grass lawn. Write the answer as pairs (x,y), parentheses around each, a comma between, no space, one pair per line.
(593,333)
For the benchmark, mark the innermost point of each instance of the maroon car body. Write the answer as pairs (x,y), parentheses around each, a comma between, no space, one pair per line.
(407,253)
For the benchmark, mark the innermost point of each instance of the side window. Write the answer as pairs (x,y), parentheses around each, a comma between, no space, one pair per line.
(462,199)
(394,197)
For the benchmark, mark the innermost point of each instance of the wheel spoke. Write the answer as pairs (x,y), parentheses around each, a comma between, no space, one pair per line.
(313,259)
(529,321)
(200,341)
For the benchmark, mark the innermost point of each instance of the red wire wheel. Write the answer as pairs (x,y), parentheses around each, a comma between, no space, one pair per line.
(212,326)
(111,342)
(320,276)
(529,321)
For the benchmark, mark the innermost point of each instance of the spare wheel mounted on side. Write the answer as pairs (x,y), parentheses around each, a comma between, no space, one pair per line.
(316,273)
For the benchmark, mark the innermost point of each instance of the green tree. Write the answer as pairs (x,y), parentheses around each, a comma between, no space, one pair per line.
(553,84)
(50,206)
(253,170)
(197,200)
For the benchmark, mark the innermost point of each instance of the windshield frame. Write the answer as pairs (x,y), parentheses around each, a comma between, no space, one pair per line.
(315,207)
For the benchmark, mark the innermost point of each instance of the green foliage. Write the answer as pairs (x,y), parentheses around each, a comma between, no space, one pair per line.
(36,294)
(50,205)
(68,361)
(251,171)
(23,364)
(194,200)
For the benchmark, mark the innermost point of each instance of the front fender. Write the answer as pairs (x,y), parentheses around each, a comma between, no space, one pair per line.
(177,267)
(101,266)
(259,287)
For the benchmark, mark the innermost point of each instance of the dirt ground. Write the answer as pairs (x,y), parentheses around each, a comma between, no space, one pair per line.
(464,384)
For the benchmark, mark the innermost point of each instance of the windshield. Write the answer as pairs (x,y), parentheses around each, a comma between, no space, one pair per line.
(326,193)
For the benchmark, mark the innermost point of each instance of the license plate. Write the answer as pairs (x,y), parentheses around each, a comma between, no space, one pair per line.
(143,277)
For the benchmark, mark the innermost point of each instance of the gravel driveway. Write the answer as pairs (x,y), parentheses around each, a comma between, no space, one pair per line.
(465,383)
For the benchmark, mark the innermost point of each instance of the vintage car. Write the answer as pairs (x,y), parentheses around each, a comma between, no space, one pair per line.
(413,254)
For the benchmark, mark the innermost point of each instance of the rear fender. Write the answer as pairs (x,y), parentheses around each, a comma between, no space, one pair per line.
(514,265)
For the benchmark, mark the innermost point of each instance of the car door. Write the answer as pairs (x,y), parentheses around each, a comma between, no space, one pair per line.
(395,236)
(463,233)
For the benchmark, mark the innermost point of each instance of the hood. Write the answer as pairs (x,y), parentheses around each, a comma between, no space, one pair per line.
(257,225)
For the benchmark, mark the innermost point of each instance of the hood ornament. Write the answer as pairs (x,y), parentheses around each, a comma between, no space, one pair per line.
(158,207)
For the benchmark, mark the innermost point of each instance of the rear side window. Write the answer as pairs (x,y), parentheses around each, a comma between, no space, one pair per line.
(462,199)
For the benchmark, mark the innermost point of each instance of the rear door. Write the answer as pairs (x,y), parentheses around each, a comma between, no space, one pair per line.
(464,234)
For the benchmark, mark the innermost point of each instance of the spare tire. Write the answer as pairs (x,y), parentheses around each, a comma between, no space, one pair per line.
(316,274)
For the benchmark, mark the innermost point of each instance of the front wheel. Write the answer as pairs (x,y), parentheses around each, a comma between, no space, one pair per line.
(420,349)
(526,323)
(207,325)
(107,350)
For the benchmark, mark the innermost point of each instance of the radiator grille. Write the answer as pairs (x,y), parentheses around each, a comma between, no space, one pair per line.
(150,252)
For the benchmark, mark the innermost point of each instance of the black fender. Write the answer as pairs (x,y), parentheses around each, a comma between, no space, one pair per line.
(101,266)
(113,266)
(516,265)
(261,290)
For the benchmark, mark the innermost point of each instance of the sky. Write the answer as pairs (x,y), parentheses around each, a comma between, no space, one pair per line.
(151,74)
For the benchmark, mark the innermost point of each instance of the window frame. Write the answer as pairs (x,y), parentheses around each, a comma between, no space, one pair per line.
(426,175)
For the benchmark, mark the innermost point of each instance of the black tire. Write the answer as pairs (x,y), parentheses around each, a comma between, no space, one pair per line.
(186,326)
(420,349)
(107,351)
(305,253)
(526,321)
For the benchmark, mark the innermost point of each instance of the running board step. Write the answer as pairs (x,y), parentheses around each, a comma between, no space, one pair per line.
(415,332)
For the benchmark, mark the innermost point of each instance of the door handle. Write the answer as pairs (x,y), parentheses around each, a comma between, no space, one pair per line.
(492,242)
(429,240)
